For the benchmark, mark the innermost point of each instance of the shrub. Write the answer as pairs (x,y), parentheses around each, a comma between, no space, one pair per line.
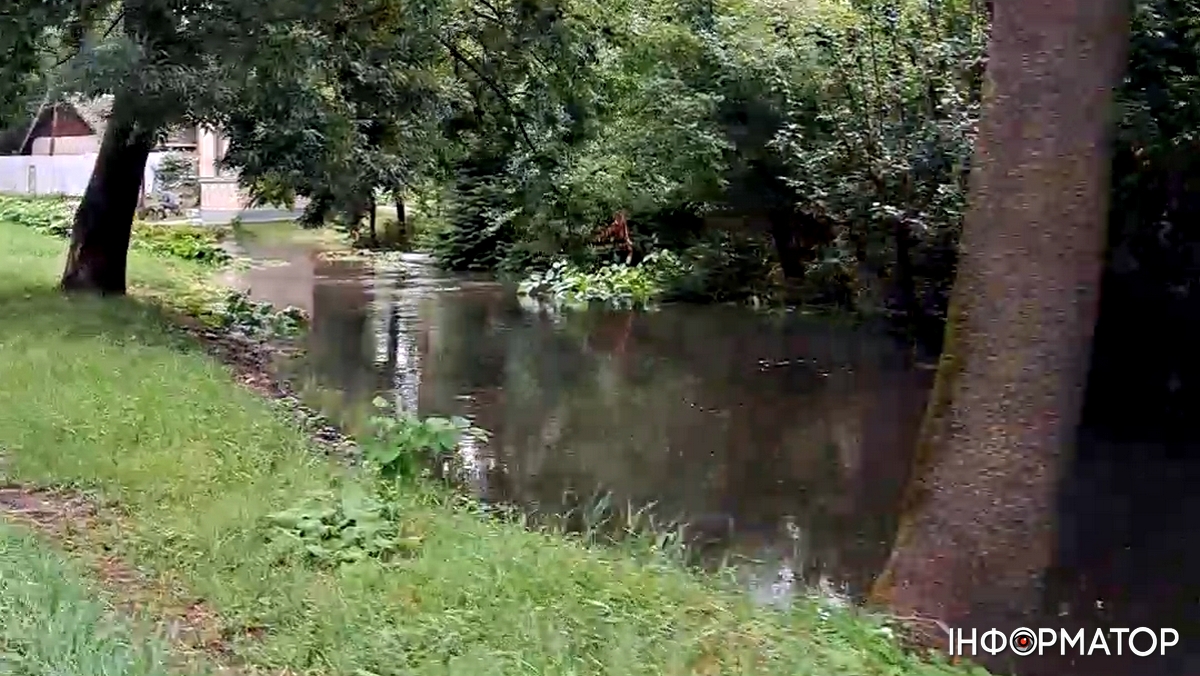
(189,242)
(54,215)
(617,284)
(48,215)
(403,447)
(364,520)
(237,314)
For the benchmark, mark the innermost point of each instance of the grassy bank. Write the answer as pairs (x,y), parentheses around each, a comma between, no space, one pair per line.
(103,395)
(52,623)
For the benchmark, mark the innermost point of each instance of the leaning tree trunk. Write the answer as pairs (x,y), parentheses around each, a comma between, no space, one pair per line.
(977,532)
(100,235)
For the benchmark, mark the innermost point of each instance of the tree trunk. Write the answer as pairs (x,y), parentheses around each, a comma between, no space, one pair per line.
(904,279)
(790,261)
(403,235)
(977,531)
(371,220)
(99,247)
(53,128)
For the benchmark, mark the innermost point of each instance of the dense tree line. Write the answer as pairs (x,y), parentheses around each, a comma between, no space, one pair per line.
(821,149)
(817,151)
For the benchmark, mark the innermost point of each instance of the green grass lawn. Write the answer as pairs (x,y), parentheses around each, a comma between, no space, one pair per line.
(103,395)
(50,622)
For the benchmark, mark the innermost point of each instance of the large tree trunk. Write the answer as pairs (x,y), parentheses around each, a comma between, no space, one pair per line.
(100,235)
(977,533)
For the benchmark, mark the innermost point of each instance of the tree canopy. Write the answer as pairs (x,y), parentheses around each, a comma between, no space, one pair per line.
(814,149)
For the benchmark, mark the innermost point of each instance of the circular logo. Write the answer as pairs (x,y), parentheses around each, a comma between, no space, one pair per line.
(1022,641)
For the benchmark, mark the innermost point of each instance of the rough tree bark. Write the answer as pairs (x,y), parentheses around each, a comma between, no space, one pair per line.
(99,247)
(977,533)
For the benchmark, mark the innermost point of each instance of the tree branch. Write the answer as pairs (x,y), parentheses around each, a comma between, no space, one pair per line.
(79,46)
(504,98)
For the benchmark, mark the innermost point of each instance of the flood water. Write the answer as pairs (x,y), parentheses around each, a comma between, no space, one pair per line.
(785,442)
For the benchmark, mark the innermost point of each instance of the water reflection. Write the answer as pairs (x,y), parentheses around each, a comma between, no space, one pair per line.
(785,443)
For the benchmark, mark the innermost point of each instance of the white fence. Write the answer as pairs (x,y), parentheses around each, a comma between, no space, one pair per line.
(57,174)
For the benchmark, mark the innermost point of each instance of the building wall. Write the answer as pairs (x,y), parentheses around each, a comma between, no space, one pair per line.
(221,198)
(57,174)
(66,145)
(222,194)
(210,147)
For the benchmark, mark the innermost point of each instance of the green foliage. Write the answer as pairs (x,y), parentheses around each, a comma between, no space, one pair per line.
(179,172)
(617,284)
(332,529)
(54,624)
(480,224)
(47,215)
(54,215)
(1155,164)
(238,314)
(405,447)
(846,126)
(723,267)
(189,242)
(176,170)
(365,521)
(840,132)
(720,267)
(539,121)
(31,37)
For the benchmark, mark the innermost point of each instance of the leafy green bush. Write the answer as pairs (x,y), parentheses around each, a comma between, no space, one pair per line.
(617,284)
(330,530)
(54,215)
(479,227)
(189,242)
(47,215)
(725,267)
(238,314)
(718,269)
(404,447)
(363,521)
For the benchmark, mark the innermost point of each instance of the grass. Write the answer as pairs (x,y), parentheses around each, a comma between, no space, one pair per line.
(53,625)
(273,232)
(103,395)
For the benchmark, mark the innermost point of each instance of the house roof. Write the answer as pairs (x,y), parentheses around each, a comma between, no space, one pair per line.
(94,111)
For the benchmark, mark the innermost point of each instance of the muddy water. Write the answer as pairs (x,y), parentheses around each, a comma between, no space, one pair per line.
(784,442)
